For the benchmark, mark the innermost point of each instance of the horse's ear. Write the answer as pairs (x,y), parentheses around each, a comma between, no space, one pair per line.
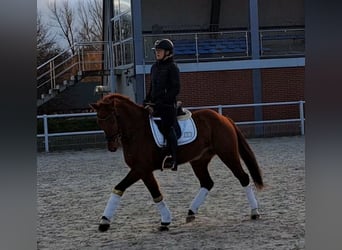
(94,106)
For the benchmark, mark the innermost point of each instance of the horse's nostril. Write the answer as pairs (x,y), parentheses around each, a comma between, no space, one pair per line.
(111,146)
(112,149)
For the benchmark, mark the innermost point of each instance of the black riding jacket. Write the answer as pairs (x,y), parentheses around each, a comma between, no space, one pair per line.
(165,83)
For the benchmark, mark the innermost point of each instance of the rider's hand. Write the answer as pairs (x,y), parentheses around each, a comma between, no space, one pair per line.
(149,108)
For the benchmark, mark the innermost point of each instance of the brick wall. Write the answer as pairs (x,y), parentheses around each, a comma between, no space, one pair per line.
(236,87)
(282,85)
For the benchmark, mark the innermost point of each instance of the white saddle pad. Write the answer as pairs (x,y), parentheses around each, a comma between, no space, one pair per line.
(188,132)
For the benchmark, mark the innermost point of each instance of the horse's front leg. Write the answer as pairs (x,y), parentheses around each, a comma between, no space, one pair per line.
(165,214)
(115,198)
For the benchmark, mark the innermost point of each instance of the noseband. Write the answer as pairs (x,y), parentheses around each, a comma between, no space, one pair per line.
(117,135)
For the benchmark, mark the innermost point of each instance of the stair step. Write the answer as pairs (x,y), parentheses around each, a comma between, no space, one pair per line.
(45,97)
(96,73)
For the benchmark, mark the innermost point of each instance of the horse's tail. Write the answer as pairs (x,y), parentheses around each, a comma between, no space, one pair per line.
(249,158)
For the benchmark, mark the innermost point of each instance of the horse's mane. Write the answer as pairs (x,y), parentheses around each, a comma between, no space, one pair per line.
(114,97)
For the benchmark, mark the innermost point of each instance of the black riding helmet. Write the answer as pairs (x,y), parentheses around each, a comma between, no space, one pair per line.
(165,44)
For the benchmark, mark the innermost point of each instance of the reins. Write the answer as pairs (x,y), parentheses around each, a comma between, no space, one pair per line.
(107,117)
(113,137)
(117,135)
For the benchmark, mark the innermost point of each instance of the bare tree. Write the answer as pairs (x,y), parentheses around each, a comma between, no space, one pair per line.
(90,16)
(64,19)
(46,44)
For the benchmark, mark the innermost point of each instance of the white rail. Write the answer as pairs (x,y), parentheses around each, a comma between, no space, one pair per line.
(219,108)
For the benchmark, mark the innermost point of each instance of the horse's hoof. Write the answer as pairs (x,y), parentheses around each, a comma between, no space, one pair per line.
(103,227)
(104,224)
(190,218)
(163,228)
(255,214)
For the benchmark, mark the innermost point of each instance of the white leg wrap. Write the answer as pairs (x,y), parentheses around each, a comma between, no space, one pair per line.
(164,212)
(112,205)
(199,199)
(251,197)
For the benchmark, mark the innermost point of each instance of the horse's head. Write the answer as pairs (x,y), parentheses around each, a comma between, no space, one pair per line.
(108,122)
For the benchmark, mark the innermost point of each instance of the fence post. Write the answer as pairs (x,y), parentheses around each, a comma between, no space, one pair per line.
(220,109)
(301,113)
(196,44)
(46,133)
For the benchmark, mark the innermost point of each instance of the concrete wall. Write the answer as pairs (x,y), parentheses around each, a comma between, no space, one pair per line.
(189,13)
(234,14)
(125,86)
(281,13)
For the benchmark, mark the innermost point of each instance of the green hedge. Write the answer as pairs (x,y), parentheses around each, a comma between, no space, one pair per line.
(75,124)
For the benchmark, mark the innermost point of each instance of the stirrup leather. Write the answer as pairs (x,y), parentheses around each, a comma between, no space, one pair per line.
(169,163)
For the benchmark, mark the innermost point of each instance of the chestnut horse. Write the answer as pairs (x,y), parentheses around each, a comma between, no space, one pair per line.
(127,123)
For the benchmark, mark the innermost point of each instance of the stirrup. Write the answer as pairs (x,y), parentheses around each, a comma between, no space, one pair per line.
(169,163)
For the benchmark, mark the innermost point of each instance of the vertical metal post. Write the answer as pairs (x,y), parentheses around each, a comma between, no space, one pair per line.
(196,43)
(301,113)
(139,48)
(111,64)
(260,42)
(246,41)
(220,109)
(79,59)
(52,76)
(46,133)
(254,28)
(108,34)
(256,74)
(82,58)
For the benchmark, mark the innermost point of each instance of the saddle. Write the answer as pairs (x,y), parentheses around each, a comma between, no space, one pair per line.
(185,127)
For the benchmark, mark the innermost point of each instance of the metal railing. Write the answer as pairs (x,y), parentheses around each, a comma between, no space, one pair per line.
(189,47)
(71,62)
(226,45)
(300,119)
(282,42)
(203,46)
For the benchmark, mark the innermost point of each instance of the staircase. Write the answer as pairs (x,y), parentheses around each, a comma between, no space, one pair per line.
(69,67)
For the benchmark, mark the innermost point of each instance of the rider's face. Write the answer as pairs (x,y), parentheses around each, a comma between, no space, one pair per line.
(160,53)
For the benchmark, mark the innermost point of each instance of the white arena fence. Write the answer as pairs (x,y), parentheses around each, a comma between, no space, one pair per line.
(301,119)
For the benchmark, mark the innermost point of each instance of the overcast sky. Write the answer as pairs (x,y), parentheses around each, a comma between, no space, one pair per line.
(42,4)
(45,12)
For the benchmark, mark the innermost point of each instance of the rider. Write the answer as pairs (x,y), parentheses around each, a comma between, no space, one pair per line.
(165,86)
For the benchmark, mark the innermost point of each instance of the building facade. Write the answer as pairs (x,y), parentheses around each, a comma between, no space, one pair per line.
(228,51)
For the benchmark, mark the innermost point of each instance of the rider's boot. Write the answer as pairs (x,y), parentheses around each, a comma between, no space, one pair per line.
(170,161)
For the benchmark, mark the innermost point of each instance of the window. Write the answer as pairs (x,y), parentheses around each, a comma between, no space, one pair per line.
(126,26)
(122,33)
(128,52)
(117,31)
(125,5)
(116,5)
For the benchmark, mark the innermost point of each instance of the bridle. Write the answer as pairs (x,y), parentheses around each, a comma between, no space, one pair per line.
(115,136)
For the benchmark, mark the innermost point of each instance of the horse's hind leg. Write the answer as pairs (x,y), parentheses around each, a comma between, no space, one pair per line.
(232,160)
(200,168)
(152,185)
